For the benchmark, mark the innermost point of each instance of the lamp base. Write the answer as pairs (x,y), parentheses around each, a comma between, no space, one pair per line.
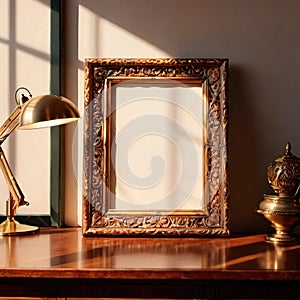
(10,228)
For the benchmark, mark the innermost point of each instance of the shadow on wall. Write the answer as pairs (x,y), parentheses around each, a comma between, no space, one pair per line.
(254,36)
(247,179)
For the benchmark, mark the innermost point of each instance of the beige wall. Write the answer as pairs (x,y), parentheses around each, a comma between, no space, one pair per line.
(260,37)
(25,61)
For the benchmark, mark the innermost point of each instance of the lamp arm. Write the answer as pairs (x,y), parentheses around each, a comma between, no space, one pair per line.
(14,188)
(9,125)
(11,122)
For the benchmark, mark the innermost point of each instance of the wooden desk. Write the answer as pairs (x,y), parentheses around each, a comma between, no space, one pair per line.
(60,263)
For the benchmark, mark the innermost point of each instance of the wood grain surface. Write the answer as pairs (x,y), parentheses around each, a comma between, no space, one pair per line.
(65,253)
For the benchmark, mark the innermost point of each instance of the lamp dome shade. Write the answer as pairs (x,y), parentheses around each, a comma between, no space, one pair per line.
(47,111)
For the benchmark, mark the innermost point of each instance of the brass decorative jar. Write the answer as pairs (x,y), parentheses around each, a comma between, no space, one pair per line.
(282,209)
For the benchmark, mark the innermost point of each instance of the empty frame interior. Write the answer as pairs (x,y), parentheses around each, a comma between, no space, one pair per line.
(157,145)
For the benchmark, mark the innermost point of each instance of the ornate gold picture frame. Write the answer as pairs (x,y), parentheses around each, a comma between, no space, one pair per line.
(155,147)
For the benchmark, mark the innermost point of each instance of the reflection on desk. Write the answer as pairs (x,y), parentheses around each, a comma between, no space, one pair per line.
(63,263)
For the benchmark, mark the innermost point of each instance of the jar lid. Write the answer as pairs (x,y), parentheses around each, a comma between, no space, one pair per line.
(284,174)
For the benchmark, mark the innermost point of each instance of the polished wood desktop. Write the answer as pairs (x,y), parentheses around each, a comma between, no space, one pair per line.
(62,264)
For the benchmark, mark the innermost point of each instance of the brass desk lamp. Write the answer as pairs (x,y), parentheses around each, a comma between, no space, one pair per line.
(29,113)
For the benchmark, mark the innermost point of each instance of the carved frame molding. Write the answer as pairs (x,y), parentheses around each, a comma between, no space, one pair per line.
(214,221)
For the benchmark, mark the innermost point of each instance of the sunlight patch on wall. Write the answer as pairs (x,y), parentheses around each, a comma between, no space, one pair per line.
(99,37)
(4,110)
(4,13)
(32,72)
(31,19)
(25,61)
